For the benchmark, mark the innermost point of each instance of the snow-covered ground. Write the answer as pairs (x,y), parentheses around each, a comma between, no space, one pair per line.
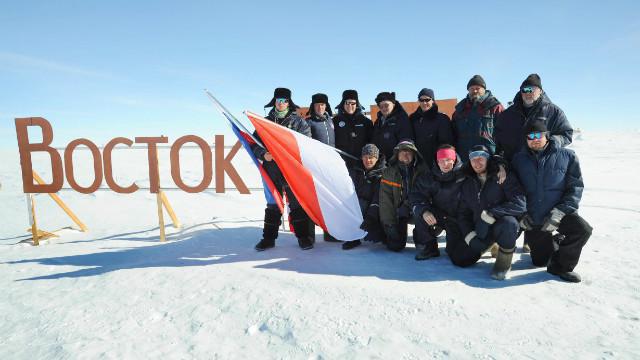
(117,292)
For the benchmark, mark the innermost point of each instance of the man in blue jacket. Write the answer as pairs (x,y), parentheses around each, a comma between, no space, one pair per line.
(488,213)
(552,179)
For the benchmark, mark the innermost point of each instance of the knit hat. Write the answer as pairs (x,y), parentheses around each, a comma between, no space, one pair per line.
(535,126)
(532,80)
(479,150)
(426,92)
(371,150)
(281,93)
(476,80)
(386,96)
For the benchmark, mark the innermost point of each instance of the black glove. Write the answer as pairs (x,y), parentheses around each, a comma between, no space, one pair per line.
(476,243)
(393,233)
(368,223)
(483,224)
(526,223)
(552,221)
(404,212)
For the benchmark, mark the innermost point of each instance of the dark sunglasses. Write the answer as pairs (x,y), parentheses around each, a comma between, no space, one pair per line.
(350,103)
(425,100)
(535,135)
(527,90)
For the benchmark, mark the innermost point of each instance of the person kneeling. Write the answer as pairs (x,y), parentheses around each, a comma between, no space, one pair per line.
(488,213)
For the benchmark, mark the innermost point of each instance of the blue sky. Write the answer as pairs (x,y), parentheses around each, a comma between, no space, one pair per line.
(123,68)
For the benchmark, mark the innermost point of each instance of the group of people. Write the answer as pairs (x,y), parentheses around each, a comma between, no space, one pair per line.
(483,176)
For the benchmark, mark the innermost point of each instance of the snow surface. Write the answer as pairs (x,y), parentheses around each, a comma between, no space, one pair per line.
(117,292)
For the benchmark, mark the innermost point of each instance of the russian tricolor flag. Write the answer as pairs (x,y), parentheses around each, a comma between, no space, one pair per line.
(317,175)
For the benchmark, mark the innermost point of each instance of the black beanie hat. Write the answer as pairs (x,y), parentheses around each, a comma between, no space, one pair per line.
(532,80)
(476,80)
(535,126)
(282,93)
(386,96)
(319,98)
(426,92)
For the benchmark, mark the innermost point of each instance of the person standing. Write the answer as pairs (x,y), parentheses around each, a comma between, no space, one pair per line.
(352,128)
(474,117)
(392,124)
(431,128)
(283,112)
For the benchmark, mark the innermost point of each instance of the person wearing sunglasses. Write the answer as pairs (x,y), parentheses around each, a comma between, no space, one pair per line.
(392,124)
(488,213)
(474,117)
(553,183)
(352,128)
(431,128)
(529,104)
(283,112)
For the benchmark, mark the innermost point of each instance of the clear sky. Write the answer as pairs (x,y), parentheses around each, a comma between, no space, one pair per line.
(100,69)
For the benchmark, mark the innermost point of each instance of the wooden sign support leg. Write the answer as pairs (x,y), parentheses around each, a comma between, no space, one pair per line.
(34,226)
(163,236)
(172,214)
(62,205)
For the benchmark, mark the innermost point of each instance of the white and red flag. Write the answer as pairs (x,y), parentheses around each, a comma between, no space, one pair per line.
(317,175)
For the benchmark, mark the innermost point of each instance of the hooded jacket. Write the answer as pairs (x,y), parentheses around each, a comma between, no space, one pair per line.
(551,178)
(395,189)
(509,134)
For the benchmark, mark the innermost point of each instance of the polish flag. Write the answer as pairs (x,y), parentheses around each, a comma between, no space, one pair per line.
(318,177)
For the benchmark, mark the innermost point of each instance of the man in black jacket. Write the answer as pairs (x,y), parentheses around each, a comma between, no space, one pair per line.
(366,179)
(431,128)
(435,200)
(488,213)
(531,103)
(283,112)
(392,124)
(552,178)
(353,130)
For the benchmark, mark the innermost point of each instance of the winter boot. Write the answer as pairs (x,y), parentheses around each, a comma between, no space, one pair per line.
(272,221)
(503,264)
(348,245)
(328,238)
(568,276)
(301,227)
(428,252)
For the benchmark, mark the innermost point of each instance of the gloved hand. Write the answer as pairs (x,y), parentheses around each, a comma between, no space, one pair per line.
(475,243)
(404,211)
(526,223)
(483,224)
(368,222)
(552,221)
(393,233)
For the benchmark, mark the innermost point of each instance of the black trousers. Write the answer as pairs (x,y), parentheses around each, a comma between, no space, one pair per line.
(504,231)
(560,251)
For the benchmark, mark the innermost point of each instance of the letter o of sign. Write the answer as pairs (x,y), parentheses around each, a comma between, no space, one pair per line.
(207,169)
(97,166)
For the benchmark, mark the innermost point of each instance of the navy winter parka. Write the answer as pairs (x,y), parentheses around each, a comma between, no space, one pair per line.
(438,192)
(509,134)
(322,128)
(506,199)
(473,123)
(551,178)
